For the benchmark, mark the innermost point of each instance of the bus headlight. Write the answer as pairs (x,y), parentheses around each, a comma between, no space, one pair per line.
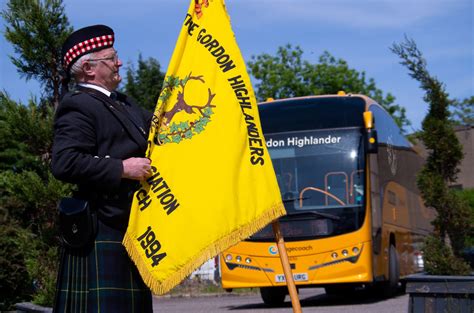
(355,250)
(344,252)
(334,255)
(248,260)
(228,257)
(238,258)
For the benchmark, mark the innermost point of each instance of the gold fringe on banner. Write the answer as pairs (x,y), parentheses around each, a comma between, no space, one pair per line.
(202,256)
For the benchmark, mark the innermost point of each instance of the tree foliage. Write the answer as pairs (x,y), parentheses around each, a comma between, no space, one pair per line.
(37,29)
(286,74)
(463,111)
(145,82)
(32,200)
(25,134)
(15,283)
(441,259)
(467,195)
(28,191)
(28,197)
(445,155)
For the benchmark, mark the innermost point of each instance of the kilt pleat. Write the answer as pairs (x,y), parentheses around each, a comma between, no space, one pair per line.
(101,278)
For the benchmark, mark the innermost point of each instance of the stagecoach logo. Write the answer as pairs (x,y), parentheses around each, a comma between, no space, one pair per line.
(183,120)
(273,250)
(392,156)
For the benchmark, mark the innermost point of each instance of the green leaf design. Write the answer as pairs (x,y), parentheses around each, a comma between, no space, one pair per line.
(168,82)
(165,96)
(185,80)
(174,82)
(198,128)
(173,128)
(177,138)
(184,125)
(205,120)
(208,111)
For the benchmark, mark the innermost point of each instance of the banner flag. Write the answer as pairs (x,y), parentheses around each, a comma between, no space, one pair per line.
(212,182)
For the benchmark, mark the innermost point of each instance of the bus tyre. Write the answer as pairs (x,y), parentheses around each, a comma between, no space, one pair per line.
(273,296)
(391,285)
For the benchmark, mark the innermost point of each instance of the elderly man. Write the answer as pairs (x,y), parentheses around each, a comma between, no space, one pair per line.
(100,139)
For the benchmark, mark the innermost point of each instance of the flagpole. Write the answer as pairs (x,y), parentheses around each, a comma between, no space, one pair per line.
(295,301)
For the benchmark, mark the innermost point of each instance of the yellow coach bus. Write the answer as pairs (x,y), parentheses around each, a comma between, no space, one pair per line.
(354,214)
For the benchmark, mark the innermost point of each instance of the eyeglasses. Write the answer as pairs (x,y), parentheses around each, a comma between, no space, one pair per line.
(113,58)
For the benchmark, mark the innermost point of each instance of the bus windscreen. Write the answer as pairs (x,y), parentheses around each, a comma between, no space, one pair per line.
(321,178)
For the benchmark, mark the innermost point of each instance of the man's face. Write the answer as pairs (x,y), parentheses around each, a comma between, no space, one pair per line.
(106,64)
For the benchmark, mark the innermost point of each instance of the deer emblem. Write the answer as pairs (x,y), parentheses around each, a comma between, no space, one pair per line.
(175,132)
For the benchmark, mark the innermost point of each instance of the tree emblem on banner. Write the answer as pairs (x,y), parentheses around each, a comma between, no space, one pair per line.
(171,130)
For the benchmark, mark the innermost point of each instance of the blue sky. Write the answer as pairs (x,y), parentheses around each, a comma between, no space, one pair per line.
(359,32)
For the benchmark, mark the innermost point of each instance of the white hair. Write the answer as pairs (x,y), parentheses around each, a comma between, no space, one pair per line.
(76,67)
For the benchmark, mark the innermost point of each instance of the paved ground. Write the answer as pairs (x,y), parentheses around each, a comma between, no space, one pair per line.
(312,300)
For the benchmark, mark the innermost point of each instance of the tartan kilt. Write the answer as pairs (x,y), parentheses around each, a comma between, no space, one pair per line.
(101,278)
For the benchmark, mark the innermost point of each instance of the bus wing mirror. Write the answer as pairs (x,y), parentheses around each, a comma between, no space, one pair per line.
(371,140)
(368,120)
(371,133)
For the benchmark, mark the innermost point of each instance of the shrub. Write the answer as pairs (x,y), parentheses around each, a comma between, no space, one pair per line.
(440,260)
(31,200)
(42,266)
(15,282)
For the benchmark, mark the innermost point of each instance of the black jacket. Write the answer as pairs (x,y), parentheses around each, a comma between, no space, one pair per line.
(92,135)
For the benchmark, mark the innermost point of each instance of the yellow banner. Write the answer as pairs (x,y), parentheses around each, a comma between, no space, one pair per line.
(213,182)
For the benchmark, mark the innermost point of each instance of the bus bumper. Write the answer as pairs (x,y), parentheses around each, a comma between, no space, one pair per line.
(347,264)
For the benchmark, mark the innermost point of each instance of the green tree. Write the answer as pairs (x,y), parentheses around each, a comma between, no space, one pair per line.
(28,197)
(445,154)
(37,29)
(463,111)
(25,135)
(28,192)
(144,83)
(287,75)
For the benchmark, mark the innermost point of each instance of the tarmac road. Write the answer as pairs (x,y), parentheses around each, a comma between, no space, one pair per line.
(312,300)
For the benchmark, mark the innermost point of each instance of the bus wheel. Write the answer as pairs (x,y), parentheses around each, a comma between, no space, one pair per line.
(391,286)
(273,296)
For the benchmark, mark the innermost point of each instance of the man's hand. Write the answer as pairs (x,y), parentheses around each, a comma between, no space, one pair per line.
(136,168)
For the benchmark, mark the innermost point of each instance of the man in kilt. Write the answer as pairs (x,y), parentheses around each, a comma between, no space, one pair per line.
(100,139)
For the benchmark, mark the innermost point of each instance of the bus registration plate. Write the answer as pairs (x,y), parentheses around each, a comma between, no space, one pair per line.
(280,278)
